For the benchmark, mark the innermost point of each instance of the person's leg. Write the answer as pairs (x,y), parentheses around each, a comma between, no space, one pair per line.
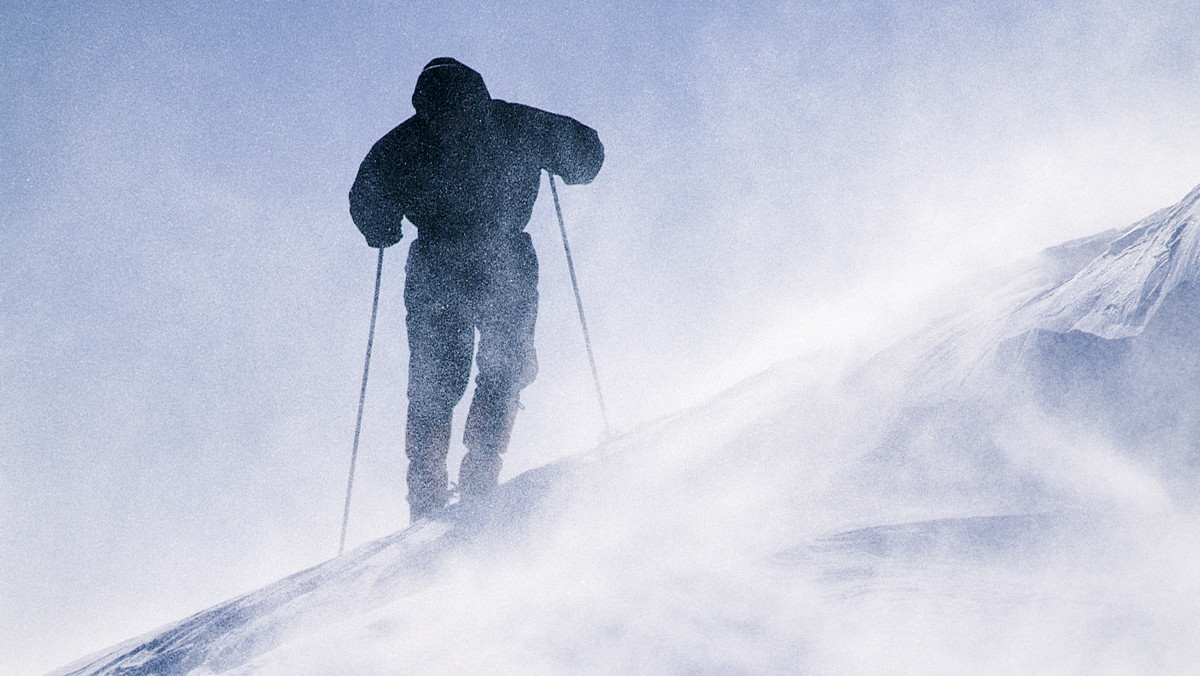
(506,359)
(440,340)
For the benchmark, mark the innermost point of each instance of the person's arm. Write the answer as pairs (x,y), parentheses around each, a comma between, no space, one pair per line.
(377,197)
(569,148)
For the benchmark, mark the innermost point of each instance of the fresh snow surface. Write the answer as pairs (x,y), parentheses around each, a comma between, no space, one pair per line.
(762,532)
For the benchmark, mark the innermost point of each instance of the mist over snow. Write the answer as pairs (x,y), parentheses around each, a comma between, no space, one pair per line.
(824,516)
(958,454)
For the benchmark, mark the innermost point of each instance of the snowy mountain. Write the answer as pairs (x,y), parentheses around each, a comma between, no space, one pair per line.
(1001,492)
(1118,293)
(1097,291)
(1095,342)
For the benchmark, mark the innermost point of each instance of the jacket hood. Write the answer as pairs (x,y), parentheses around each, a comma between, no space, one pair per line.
(446,84)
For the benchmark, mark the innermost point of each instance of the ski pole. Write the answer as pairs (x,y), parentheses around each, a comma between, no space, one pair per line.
(362,397)
(587,338)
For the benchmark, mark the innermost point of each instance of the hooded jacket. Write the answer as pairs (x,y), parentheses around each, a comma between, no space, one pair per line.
(477,183)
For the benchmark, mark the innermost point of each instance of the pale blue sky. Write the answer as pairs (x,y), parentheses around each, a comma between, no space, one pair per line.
(184,301)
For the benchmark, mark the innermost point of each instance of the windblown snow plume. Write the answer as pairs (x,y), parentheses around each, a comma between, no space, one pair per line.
(1002,492)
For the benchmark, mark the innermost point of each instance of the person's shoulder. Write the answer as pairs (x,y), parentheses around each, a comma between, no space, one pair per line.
(502,107)
(401,135)
(404,130)
(514,112)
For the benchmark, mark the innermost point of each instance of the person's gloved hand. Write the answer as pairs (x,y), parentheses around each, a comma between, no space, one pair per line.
(383,238)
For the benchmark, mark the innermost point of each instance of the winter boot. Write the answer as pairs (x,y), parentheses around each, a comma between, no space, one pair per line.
(479,473)
(488,429)
(426,446)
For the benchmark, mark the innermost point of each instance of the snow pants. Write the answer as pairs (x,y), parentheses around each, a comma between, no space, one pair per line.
(453,289)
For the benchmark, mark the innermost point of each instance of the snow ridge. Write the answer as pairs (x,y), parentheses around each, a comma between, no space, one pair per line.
(1116,294)
(1110,285)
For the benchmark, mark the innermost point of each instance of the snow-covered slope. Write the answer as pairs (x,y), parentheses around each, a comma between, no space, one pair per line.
(1118,292)
(893,521)
(1109,286)
(552,532)
(228,635)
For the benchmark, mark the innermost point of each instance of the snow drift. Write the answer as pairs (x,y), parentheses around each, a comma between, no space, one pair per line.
(1005,491)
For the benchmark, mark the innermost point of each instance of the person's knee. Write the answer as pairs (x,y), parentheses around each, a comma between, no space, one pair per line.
(507,371)
(435,395)
(429,412)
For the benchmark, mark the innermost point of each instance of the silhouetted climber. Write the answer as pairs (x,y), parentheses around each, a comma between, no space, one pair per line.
(465,171)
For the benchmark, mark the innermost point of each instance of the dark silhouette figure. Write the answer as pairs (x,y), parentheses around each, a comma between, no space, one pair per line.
(465,171)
